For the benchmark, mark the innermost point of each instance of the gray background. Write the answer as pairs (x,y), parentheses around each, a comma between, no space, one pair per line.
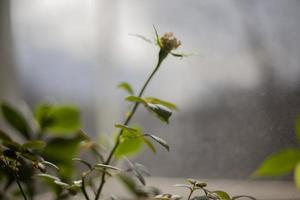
(238,96)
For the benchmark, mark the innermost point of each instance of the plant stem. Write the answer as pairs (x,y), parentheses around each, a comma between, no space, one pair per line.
(192,190)
(16,178)
(20,187)
(205,191)
(162,56)
(83,189)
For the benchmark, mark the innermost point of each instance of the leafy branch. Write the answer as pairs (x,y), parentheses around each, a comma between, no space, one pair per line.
(194,185)
(166,43)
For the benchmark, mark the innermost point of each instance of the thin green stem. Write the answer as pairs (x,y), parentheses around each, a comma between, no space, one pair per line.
(191,192)
(83,189)
(20,187)
(205,191)
(16,178)
(162,56)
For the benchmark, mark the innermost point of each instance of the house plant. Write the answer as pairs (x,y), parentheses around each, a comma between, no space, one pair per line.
(46,154)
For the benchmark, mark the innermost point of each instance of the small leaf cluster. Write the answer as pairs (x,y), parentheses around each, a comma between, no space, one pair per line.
(162,109)
(138,190)
(134,133)
(133,138)
(195,185)
(44,143)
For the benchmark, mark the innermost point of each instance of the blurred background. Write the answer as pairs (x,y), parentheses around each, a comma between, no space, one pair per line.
(238,96)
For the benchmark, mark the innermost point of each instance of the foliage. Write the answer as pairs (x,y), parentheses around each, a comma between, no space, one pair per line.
(194,185)
(283,162)
(57,119)
(40,149)
(47,155)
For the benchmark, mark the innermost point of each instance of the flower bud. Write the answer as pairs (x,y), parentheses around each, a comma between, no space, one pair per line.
(169,42)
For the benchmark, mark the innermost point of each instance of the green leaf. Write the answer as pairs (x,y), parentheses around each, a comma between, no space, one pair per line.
(157,39)
(160,141)
(192,181)
(137,172)
(177,55)
(297,129)
(50,164)
(12,145)
(16,120)
(279,163)
(58,119)
(142,169)
(41,115)
(201,184)
(61,151)
(48,177)
(137,135)
(129,147)
(129,183)
(100,165)
(131,143)
(65,119)
(127,87)
(34,144)
(30,156)
(139,176)
(167,104)
(135,99)
(181,55)
(127,128)
(4,136)
(297,175)
(103,171)
(62,184)
(162,112)
(150,145)
(141,37)
(222,195)
(77,183)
